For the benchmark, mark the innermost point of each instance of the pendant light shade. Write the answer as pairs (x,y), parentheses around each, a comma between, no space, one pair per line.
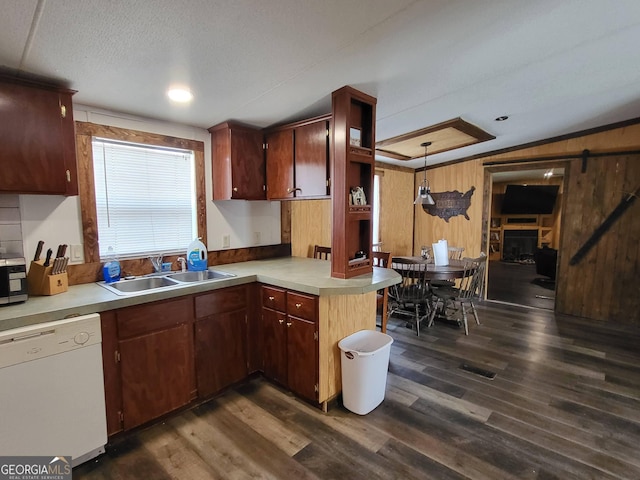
(424,192)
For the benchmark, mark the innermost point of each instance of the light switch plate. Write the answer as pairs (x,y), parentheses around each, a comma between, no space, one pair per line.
(76,253)
(226,241)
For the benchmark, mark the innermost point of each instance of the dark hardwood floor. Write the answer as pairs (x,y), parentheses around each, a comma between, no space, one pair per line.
(564,404)
(519,284)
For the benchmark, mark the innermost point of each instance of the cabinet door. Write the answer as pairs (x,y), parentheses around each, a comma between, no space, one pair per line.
(156,372)
(247,165)
(221,357)
(311,159)
(302,357)
(237,159)
(274,347)
(37,141)
(280,181)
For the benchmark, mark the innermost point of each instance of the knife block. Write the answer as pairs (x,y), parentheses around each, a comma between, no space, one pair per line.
(41,282)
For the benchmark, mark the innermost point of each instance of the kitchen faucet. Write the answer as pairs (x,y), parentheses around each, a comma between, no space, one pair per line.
(156,261)
(183,263)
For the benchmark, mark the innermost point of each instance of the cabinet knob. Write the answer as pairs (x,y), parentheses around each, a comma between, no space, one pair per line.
(288,324)
(235,189)
(280,321)
(271,299)
(298,305)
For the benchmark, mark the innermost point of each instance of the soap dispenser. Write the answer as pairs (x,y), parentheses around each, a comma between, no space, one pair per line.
(111,268)
(197,256)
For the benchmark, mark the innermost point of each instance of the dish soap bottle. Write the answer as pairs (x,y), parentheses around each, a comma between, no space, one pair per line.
(111,268)
(197,256)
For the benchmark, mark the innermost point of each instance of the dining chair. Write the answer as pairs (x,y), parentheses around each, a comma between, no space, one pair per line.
(382,260)
(323,253)
(455,253)
(471,288)
(411,296)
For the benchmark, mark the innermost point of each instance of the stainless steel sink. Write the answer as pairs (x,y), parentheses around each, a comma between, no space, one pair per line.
(124,287)
(156,280)
(199,276)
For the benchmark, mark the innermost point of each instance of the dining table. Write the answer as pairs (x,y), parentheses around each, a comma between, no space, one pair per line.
(455,268)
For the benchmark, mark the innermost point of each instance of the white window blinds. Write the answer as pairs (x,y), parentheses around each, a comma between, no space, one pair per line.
(145,198)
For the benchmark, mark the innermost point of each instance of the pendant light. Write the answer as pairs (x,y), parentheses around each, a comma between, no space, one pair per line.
(424,192)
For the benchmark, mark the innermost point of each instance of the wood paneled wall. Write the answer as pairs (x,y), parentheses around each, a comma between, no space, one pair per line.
(310,225)
(396,210)
(459,231)
(604,284)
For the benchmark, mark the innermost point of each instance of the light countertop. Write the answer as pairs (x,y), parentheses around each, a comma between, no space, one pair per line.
(295,273)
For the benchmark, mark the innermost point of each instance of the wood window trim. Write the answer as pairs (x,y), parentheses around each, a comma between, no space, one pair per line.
(84,133)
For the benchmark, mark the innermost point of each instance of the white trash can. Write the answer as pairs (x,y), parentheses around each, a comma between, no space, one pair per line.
(365,361)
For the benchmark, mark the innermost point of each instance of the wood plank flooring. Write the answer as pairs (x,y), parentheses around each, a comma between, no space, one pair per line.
(565,404)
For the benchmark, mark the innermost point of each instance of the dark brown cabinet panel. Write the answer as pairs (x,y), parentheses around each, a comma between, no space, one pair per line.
(279,157)
(37,139)
(220,349)
(275,345)
(302,357)
(111,369)
(220,339)
(238,166)
(156,374)
(311,159)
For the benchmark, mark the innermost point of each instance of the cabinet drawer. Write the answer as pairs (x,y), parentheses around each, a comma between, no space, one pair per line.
(302,306)
(221,301)
(274,298)
(141,319)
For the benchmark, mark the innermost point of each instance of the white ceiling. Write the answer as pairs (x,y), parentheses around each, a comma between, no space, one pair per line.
(554,67)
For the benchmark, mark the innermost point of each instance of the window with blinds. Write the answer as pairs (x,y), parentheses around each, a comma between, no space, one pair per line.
(145,198)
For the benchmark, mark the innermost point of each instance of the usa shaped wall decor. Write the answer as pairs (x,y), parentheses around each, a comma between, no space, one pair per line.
(450,204)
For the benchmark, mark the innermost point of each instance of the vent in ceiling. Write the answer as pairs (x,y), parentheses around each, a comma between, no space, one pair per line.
(444,136)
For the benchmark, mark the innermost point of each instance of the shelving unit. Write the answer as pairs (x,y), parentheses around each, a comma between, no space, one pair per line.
(353,143)
(543,224)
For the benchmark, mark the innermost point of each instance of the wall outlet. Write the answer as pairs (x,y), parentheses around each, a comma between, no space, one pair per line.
(226,241)
(256,238)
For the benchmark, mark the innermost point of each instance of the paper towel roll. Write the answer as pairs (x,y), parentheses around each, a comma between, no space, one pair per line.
(441,253)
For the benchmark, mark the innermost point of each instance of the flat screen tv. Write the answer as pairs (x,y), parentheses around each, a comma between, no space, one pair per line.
(529,199)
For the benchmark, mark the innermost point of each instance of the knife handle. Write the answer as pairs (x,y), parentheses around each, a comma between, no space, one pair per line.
(48,259)
(36,257)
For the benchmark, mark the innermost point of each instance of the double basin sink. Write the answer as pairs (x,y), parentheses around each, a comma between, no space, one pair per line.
(156,281)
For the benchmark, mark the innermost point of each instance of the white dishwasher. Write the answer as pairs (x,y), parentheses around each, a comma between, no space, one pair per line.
(52,390)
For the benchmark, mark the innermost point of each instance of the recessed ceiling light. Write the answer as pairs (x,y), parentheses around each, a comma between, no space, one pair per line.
(180,95)
(501,118)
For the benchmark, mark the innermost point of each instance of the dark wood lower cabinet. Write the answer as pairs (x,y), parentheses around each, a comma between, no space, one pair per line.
(156,374)
(290,349)
(274,351)
(161,356)
(220,347)
(302,357)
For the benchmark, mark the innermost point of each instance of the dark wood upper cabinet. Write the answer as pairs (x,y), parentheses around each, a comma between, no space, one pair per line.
(354,117)
(312,159)
(297,159)
(279,157)
(37,139)
(238,166)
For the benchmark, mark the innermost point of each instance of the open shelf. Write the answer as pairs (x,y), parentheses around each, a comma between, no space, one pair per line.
(353,115)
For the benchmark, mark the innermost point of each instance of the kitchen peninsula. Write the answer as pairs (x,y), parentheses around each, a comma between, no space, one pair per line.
(341,307)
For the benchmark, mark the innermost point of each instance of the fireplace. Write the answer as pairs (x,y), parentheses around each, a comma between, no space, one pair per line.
(519,245)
